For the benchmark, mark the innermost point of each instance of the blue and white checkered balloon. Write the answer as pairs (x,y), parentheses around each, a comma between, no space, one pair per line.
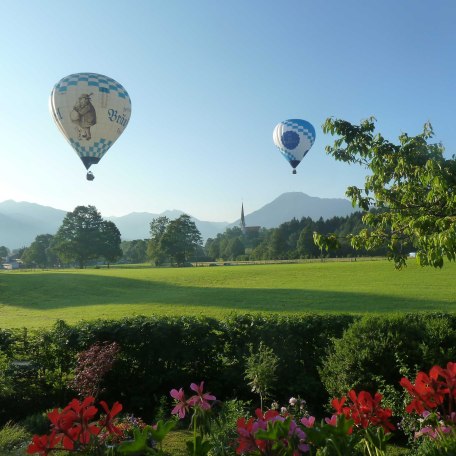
(294,138)
(91,111)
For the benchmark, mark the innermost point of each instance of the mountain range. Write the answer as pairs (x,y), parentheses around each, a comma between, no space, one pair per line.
(21,222)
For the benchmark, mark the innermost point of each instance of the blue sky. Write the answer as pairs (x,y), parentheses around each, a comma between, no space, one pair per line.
(209,80)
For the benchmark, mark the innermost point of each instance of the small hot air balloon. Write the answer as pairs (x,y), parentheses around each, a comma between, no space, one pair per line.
(294,138)
(91,111)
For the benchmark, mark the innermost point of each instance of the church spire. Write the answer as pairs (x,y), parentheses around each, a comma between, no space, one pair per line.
(242,219)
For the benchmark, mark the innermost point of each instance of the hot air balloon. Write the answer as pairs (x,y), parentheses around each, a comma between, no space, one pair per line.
(91,111)
(294,138)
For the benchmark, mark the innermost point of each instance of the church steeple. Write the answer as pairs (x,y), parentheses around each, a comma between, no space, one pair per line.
(242,219)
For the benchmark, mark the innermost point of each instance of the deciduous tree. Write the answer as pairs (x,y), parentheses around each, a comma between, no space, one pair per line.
(4,252)
(40,252)
(181,239)
(158,226)
(84,235)
(411,184)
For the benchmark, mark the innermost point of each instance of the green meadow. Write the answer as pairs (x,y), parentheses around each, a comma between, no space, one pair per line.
(39,298)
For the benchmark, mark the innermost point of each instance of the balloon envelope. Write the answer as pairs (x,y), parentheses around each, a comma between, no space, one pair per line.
(91,111)
(294,138)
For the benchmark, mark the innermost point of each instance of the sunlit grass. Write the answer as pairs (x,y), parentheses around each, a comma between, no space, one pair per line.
(38,298)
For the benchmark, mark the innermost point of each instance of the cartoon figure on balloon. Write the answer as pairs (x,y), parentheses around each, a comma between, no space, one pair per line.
(84,115)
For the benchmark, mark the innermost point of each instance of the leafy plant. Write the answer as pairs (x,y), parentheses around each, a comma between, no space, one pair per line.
(12,436)
(260,371)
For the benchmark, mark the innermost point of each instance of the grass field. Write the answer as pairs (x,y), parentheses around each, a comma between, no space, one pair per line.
(38,298)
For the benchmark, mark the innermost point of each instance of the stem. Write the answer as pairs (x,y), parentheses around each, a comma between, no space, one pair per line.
(194,433)
(335,447)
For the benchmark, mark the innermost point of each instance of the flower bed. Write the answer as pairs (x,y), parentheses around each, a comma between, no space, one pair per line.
(359,424)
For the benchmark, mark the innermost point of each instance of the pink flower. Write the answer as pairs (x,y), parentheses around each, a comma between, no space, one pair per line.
(182,405)
(332,421)
(200,399)
(308,422)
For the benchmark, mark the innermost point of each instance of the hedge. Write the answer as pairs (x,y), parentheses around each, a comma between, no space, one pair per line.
(320,355)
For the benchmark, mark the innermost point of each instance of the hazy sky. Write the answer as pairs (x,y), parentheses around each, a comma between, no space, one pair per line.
(208,81)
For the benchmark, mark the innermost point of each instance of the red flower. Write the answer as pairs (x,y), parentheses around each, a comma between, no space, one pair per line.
(338,405)
(364,410)
(246,439)
(83,429)
(268,416)
(449,377)
(61,423)
(427,392)
(108,420)
(42,444)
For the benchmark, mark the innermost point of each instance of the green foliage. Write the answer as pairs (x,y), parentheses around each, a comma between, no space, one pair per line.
(12,437)
(38,423)
(181,239)
(158,227)
(291,240)
(4,252)
(334,440)
(84,235)
(411,184)
(444,445)
(134,252)
(177,240)
(261,371)
(40,252)
(6,383)
(223,426)
(375,350)
(161,352)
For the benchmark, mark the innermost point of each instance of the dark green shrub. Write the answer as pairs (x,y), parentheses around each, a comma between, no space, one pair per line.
(381,348)
(38,423)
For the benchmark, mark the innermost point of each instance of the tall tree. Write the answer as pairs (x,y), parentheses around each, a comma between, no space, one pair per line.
(158,227)
(84,236)
(110,242)
(4,252)
(134,251)
(412,185)
(40,252)
(233,249)
(306,247)
(181,239)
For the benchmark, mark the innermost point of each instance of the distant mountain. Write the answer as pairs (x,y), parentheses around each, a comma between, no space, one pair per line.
(21,222)
(297,205)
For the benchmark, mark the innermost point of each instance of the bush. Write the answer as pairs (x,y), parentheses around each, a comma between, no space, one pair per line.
(377,349)
(12,437)
(157,353)
(38,423)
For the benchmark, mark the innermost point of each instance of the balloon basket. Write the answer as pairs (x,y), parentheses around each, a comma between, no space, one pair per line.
(294,171)
(90,176)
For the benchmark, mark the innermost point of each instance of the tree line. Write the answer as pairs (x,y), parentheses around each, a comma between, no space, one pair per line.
(85,238)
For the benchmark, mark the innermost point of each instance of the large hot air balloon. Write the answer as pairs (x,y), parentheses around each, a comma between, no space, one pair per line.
(91,111)
(294,138)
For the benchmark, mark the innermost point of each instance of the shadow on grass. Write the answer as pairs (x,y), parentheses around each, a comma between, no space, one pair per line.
(60,290)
